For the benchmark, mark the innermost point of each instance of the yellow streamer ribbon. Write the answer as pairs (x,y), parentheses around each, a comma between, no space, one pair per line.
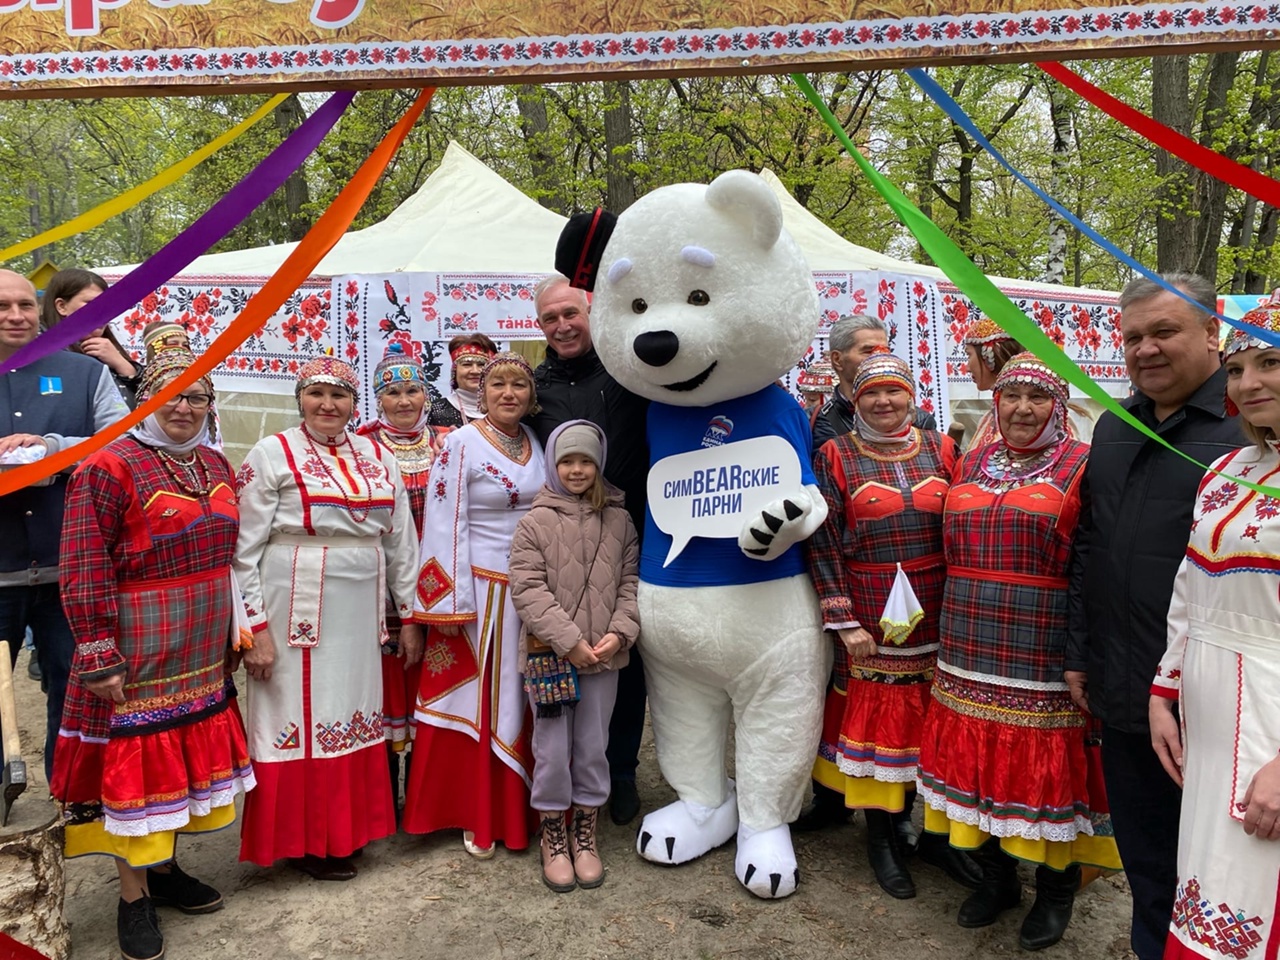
(132,197)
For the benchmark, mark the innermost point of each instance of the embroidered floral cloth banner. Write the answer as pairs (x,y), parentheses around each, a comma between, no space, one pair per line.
(1085,325)
(358,316)
(268,361)
(63,44)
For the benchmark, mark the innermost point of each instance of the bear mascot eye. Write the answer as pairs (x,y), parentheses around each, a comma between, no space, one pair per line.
(699,298)
(638,305)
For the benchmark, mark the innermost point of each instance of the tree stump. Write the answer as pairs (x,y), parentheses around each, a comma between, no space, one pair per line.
(32,880)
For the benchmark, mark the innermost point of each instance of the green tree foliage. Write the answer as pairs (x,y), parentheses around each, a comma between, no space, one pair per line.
(575,145)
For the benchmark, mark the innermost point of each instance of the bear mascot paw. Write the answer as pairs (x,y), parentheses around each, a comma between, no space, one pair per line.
(702,301)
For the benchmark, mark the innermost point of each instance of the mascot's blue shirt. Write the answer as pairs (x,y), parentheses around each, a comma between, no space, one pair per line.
(720,562)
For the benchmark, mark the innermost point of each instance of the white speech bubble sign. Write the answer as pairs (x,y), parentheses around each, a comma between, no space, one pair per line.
(708,493)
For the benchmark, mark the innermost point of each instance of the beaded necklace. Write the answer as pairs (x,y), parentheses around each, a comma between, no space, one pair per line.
(187,473)
(413,455)
(512,447)
(1005,470)
(895,454)
(368,488)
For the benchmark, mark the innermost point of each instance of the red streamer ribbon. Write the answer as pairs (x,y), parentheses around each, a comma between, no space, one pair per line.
(1202,158)
(320,239)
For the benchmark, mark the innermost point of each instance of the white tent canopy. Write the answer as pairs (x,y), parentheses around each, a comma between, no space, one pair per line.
(465,218)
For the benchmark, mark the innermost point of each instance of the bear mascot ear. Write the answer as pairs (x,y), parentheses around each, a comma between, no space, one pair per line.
(581,245)
(747,198)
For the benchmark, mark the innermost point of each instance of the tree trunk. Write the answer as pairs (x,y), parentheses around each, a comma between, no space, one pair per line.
(536,129)
(1055,270)
(297,194)
(1255,282)
(1210,192)
(926,170)
(619,144)
(1171,105)
(32,881)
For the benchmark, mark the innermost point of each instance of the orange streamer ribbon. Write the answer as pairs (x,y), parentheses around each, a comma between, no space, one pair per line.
(319,240)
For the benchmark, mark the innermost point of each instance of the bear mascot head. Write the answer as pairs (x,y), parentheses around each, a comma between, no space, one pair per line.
(702,301)
(702,296)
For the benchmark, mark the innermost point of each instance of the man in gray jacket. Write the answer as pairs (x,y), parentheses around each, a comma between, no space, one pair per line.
(51,404)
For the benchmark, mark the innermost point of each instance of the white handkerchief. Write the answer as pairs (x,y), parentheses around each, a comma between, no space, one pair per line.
(23,455)
(902,611)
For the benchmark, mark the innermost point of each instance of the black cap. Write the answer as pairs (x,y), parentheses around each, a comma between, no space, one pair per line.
(581,245)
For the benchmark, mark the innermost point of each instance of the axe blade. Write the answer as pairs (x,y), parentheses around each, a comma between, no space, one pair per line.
(14,781)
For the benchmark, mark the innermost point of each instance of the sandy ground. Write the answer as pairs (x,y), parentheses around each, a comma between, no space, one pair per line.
(422,898)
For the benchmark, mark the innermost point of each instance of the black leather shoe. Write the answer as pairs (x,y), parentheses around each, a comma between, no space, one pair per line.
(885,857)
(1000,889)
(33,667)
(1051,913)
(137,931)
(934,850)
(324,868)
(624,801)
(178,889)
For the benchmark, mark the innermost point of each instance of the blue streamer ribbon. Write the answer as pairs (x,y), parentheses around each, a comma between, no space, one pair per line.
(953,110)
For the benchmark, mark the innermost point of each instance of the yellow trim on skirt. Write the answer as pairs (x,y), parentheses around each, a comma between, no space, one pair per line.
(1057,855)
(862,792)
(85,839)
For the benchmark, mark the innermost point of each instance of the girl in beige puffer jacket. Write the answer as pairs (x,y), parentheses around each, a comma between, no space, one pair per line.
(574,571)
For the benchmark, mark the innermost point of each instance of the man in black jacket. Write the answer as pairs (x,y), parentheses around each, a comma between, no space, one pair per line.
(852,340)
(1137,499)
(572,384)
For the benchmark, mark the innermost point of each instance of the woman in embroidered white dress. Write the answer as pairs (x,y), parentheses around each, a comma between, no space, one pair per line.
(472,758)
(325,532)
(1222,669)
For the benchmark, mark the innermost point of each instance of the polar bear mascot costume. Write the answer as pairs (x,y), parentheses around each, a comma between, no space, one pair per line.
(701,302)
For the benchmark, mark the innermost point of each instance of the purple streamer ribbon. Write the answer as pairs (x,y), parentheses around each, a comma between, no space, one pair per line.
(219,220)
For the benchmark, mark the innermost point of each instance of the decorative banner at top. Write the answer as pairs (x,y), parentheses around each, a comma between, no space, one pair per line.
(187,45)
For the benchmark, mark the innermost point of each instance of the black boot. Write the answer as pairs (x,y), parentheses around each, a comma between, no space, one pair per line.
(934,850)
(828,810)
(908,838)
(1047,921)
(1000,889)
(885,857)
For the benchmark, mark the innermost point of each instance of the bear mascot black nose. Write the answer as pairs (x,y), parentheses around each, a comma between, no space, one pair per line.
(658,348)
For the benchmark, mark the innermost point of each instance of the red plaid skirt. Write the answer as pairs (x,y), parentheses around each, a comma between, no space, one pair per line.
(173,749)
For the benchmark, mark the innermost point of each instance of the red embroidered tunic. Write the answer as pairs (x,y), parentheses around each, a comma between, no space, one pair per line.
(884,508)
(414,454)
(146,584)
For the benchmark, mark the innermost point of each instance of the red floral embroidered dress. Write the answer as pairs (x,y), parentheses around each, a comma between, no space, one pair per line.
(415,454)
(1223,667)
(147,588)
(473,761)
(1003,753)
(884,508)
(325,533)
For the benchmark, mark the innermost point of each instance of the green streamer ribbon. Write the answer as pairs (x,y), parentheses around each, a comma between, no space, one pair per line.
(966,275)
